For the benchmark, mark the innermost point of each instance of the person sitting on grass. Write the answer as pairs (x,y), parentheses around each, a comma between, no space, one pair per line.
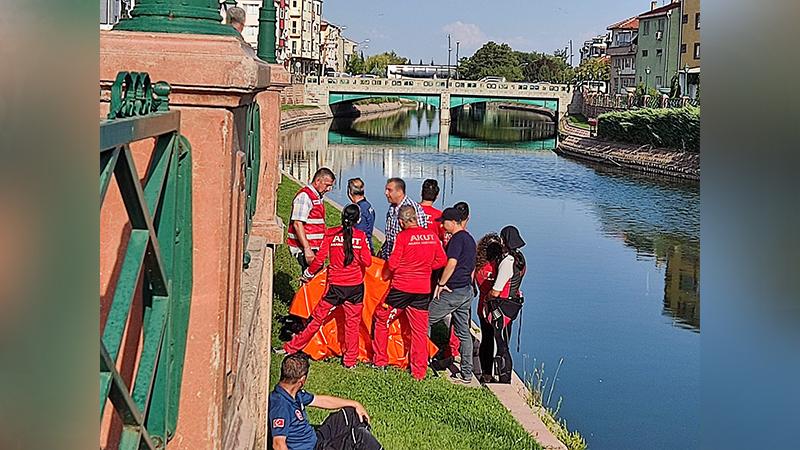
(347,428)
(349,257)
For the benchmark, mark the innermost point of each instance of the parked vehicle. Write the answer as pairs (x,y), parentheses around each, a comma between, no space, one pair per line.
(367,75)
(493,79)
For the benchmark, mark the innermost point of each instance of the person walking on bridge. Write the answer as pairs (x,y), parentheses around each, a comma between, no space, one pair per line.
(396,195)
(307,222)
(349,257)
(417,254)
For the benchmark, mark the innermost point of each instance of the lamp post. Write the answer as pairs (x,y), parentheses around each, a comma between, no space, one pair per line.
(458,44)
(619,80)
(646,79)
(449,49)
(176,16)
(685,80)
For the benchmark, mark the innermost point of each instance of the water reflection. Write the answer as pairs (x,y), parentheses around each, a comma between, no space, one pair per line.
(490,123)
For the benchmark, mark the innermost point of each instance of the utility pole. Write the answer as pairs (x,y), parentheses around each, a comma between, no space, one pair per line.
(458,43)
(570,52)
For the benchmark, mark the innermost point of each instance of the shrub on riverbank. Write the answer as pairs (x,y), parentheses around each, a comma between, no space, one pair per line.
(406,414)
(677,128)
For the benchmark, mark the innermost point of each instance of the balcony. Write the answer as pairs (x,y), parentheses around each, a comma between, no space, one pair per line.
(624,50)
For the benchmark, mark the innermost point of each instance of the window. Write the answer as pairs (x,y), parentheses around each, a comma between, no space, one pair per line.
(294,27)
(658,81)
(685,18)
(294,47)
(646,27)
(644,53)
(696,50)
(683,48)
(696,21)
(627,62)
(294,4)
(660,24)
(659,52)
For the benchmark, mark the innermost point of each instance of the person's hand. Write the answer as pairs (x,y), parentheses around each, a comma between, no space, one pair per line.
(309,254)
(306,277)
(439,290)
(362,413)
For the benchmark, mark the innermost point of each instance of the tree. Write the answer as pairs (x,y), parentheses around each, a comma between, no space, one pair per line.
(355,65)
(492,60)
(541,67)
(594,69)
(376,64)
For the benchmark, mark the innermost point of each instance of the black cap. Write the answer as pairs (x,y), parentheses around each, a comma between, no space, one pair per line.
(450,214)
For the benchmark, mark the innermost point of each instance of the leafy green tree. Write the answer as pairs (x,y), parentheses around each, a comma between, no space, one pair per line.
(355,65)
(542,67)
(376,64)
(492,60)
(594,69)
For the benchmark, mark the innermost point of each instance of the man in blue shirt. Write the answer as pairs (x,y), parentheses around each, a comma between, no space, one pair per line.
(289,427)
(453,294)
(355,192)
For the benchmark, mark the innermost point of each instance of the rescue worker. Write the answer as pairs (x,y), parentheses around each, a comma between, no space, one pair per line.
(396,195)
(505,299)
(488,255)
(307,222)
(355,192)
(349,257)
(416,255)
(453,295)
(289,428)
(430,192)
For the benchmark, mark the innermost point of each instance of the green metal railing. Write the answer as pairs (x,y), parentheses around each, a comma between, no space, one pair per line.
(157,264)
(251,173)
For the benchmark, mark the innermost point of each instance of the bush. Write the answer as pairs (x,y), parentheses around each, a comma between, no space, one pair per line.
(677,128)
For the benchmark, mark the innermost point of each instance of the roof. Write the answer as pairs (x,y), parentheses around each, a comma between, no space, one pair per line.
(658,12)
(627,24)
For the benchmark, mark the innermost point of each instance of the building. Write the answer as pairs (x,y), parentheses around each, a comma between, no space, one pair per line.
(349,47)
(594,47)
(303,20)
(622,51)
(690,47)
(658,46)
(111,11)
(332,47)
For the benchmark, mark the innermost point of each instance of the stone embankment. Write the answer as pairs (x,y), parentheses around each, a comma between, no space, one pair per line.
(576,143)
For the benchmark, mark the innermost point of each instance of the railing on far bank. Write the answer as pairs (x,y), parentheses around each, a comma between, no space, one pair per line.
(631,101)
(155,267)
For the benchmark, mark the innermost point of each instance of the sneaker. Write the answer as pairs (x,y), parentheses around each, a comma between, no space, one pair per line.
(458,376)
(279,351)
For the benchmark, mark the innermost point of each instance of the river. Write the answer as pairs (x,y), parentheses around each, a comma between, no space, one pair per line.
(613,257)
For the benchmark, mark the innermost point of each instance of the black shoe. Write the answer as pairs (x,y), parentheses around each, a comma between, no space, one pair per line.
(458,376)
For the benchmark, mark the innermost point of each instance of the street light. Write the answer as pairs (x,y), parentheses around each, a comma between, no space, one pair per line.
(646,79)
(619,80)
(685,80)
(449,49)
(458,43)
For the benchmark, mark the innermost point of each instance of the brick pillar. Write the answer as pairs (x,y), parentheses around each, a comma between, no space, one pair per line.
(213,79)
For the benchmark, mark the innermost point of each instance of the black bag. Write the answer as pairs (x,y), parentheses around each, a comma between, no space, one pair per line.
(509,307)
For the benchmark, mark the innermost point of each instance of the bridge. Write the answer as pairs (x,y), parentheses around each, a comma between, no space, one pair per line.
(442,94)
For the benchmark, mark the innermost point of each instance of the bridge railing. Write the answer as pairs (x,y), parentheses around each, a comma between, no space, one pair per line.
(150,292)
(631,101)
(522,88)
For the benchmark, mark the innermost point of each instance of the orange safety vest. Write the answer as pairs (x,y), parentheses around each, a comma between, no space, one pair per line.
(314,226)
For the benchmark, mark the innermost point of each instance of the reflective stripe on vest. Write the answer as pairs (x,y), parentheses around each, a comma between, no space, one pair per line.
(314,225)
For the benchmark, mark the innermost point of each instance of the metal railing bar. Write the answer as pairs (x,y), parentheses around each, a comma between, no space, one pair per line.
(155,320)
(118,132)
(157,175)
(118,393)
(108,160)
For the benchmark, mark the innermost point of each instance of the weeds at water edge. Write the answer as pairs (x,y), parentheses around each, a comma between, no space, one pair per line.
(537,383)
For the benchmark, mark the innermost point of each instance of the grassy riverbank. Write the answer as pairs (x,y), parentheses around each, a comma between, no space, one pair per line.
(406,414)
(294,107)
(579,121)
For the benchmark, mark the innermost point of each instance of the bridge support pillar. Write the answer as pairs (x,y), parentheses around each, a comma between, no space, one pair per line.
(444,121)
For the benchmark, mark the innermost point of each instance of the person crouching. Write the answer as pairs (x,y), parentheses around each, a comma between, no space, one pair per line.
(417,253)
(350,255)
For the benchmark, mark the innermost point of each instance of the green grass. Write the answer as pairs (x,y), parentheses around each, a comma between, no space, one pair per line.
(406,414)
(578,120)
(291,107)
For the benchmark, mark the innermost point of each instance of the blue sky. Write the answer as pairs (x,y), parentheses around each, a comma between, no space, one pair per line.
(418,29)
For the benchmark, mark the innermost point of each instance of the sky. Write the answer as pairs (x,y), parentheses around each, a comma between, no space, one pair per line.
(417,29)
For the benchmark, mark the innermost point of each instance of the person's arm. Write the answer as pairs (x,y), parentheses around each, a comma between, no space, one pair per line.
(279,443)
(397,253)
(504,273)
(319,259)
(330,402)
(301,208)
(366,254)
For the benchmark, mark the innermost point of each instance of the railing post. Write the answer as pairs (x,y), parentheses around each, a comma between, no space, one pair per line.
(267,40)
(176,16)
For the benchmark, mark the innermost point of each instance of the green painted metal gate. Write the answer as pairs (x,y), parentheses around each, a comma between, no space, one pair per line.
(157,264)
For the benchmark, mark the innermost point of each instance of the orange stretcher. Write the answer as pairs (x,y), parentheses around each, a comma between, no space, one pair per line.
(329,340)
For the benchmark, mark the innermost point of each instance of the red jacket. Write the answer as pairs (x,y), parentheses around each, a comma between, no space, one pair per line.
(333,246)
(417,253)
(433,225)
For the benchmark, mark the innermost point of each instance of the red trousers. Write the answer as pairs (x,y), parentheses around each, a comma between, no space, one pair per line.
(352,314)
(418,319)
